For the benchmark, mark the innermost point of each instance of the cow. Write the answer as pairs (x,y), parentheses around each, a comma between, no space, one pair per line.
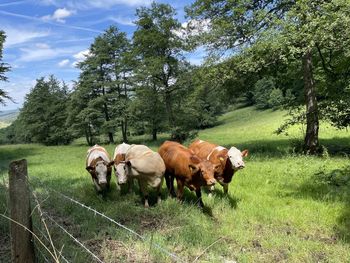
(146,166)
(99,165)
(188,169)
(226,162)
(119,161)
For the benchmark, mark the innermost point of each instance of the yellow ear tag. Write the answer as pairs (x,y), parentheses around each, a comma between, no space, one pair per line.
(221,159)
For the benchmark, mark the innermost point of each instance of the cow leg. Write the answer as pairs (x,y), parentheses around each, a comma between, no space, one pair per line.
(143,189)
(97,187)
(169,179)
(199,196)
(159,199)
(180,189)
(225,186)
(211,189)
(108,179)
(130,185)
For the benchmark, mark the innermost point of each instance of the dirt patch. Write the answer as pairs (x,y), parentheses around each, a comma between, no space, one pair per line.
(118,251)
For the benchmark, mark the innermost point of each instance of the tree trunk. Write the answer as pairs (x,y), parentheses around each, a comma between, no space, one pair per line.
(110,134)
(154,134)
(88,135)
(311,143)
(169,109)
(124,130)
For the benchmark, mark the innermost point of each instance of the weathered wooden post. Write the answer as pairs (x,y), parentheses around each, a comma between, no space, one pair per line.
(22,247)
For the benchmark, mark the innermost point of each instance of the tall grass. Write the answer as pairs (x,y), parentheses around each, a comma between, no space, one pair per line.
(281,207)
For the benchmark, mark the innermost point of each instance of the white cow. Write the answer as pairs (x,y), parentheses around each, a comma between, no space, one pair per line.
(146,166)
(98,164)
(119,163)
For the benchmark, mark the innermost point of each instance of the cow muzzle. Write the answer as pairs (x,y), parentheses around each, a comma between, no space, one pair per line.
(102,184)
(211,182)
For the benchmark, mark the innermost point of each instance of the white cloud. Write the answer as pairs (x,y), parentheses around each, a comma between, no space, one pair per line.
(193,28)
(80,56)
(59,15)
(90,4)
(17,88)
(121,20)
(44,53)
(20,35)
(42,45)
(63,63)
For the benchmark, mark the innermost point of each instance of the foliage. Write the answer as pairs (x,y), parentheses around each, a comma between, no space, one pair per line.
(100,99)
(43,116)
(271,34)
(158,52)
(3,69)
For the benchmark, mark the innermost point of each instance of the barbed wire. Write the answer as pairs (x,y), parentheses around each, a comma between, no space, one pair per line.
(47,239)
(73,238)
(156,245)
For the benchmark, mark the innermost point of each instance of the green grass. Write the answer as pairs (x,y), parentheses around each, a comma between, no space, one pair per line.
(281,207)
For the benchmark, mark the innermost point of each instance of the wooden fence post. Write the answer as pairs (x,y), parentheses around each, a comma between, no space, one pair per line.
(22,247)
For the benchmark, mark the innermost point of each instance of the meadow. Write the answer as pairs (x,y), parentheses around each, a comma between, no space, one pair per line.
(282,207)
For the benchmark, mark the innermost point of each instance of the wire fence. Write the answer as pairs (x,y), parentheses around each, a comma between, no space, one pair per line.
(49,243)
(151,242)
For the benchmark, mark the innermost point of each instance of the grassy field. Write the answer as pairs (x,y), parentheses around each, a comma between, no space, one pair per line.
(283,207)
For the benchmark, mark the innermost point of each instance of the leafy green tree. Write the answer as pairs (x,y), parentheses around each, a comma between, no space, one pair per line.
(148,110)
(3,69)
(44,114)
(281,30)
(158,50)
(104,86)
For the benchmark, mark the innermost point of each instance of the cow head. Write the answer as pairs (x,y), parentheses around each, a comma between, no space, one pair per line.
(121,172)
(99,172)
(204,168)
(236,158)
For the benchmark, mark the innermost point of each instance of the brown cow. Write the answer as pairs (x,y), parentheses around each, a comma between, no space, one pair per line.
(188,169)
(226,162)
(99,165)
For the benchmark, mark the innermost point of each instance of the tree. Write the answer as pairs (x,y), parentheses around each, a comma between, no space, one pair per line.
(298,30)
(3,69)
(158,50)
(104,85)
(44,113)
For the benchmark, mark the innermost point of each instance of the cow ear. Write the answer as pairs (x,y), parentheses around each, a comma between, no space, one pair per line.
(89,168)
(110,163)
(193,168)
(245,153)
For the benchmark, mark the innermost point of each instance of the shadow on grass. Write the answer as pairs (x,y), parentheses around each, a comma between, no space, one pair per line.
(9,154)
(333,186)
(232,200)
(284,147)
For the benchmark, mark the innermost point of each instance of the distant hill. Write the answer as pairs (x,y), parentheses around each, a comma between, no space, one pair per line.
(7,117)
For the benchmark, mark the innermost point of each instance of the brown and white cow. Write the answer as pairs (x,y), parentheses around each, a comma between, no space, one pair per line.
(226,162)
(188,169)
(119,161)
(146,166)
(99,165)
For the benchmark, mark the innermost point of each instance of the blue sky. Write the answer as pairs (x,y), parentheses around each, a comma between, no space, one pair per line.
(49,36)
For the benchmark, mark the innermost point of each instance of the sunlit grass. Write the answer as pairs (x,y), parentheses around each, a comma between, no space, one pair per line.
(281,207)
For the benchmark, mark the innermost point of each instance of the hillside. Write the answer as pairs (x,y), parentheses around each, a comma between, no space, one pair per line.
(282,207)
(7,117)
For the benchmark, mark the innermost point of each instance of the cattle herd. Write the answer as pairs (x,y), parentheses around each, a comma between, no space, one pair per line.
(202,164)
